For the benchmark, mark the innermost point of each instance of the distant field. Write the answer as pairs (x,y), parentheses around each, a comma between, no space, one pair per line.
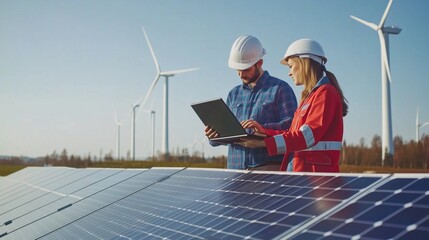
(8,169)
(372,169)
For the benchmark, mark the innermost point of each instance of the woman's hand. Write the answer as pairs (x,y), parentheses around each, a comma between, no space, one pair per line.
(254,125)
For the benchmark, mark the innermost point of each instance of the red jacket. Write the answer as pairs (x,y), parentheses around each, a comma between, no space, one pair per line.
(316,134)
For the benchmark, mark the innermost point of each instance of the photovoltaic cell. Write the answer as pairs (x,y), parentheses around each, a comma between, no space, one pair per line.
(176,203)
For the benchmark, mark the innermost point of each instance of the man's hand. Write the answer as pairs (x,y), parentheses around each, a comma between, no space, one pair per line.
(251,143)
(210,132)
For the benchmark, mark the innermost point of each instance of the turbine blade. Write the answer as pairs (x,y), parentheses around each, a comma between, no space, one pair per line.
(158,69)
(371,25)
(174,72)
(149,92)
(116,118)
(151,105)
(128,114)
(386,12)
(384,58)
(137,102)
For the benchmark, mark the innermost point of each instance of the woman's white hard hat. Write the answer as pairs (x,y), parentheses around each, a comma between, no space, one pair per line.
(305,48)
(245,52)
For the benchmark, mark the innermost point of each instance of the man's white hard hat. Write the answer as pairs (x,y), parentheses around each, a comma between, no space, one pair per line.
(305,48)
(245,52)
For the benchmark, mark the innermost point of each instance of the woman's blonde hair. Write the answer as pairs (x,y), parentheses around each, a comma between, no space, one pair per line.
(310,72)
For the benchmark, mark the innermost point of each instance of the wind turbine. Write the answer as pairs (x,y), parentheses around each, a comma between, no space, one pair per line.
(195,143)
(383,34)
(418,125)
(202,146)
(118,137)
(166,75)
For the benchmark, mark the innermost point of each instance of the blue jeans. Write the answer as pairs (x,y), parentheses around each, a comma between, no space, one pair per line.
(290,163)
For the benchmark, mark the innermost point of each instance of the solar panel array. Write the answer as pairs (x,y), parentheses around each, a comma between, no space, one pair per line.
(184,203)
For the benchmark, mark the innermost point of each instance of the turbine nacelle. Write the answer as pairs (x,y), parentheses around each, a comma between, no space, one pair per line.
(419,125)
(391,30)
(174,72)
(117,120)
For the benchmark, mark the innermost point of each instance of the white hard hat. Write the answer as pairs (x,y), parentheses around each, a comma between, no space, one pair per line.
(245,52)
(305,48)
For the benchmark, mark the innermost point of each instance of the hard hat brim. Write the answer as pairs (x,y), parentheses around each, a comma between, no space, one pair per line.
(319,59)
(241,66)
(283,61)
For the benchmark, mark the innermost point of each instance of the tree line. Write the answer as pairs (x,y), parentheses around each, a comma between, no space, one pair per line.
(410,154)
(178,157)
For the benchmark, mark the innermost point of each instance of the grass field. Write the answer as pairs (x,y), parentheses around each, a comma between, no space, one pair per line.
(8,169)
(373,169)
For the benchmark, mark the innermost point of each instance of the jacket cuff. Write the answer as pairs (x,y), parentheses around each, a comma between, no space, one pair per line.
(275,145)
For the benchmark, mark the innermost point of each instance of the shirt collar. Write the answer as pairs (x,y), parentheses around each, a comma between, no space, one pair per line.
(324,80)
(261,81)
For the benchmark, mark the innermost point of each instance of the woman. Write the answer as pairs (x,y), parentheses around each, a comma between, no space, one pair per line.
(315,137)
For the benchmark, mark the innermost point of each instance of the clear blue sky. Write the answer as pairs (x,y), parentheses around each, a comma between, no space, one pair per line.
(67,66)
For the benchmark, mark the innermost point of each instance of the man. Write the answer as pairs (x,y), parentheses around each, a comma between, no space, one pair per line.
(261,97)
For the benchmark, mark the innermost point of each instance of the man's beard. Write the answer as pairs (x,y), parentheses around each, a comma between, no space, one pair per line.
(251,79)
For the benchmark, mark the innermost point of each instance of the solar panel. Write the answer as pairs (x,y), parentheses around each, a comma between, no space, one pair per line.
(21,186)
(81,203)
(183,203)
(398,208)
(53,200)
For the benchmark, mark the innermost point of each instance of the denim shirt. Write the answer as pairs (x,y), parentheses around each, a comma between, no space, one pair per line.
(272,103)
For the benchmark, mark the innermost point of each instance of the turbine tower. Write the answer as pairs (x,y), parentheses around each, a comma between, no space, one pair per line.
(118,137)
(166,75)
(133,131)
(152,113)
(152,116)
(383,34)
(418,125)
